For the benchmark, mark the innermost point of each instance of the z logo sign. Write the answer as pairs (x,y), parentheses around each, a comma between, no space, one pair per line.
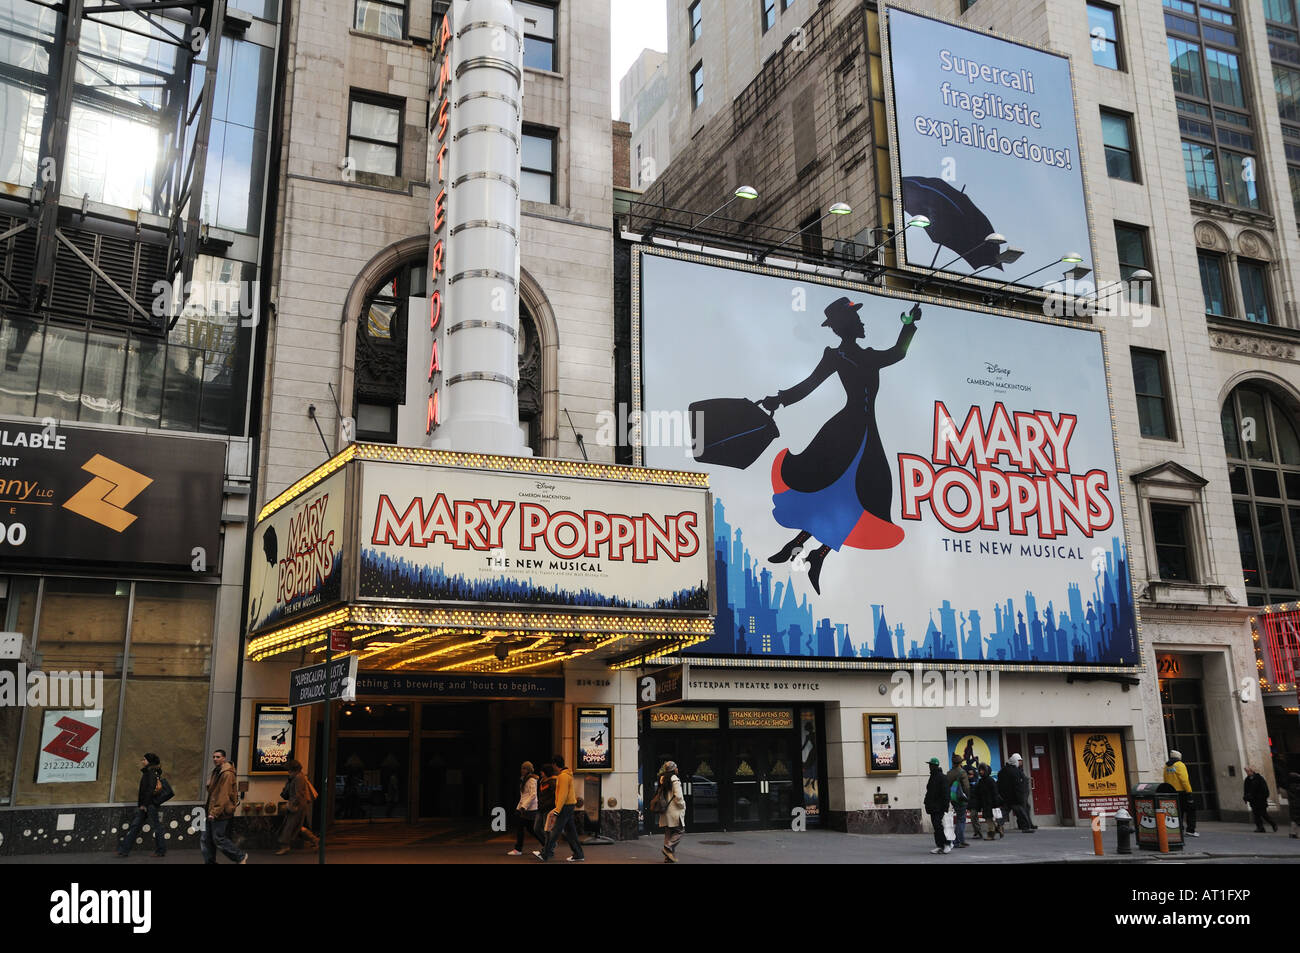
(68,743)
(104,499)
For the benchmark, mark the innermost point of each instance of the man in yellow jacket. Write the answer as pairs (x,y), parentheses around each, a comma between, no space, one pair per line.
(566,801)
(1176,777)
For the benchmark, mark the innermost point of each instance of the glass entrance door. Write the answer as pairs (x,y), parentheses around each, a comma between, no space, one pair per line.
(761,779)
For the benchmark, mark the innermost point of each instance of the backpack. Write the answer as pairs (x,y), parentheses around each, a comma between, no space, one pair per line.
(163,791)
(659,803)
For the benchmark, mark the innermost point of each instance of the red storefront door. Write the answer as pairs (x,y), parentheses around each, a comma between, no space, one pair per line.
(1039,762)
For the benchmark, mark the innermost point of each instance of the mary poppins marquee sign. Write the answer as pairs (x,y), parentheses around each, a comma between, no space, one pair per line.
(919,482)
(986,143)
(440,534)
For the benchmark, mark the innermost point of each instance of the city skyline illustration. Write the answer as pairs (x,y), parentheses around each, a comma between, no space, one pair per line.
(756,617)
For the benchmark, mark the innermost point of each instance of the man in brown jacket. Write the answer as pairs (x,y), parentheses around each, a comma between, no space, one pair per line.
(223,798)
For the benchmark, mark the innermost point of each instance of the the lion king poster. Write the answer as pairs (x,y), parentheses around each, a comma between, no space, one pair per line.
(1099,764)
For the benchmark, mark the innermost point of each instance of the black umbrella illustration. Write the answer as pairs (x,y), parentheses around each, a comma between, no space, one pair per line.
(956,222)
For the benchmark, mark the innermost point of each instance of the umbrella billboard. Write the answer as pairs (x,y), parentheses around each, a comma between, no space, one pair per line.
(985,143)
(893,478)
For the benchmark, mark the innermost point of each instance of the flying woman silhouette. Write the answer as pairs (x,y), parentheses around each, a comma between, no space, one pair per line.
(839,489)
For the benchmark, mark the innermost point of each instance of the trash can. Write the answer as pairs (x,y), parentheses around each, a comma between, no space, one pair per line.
(1123,831)
(1148,798)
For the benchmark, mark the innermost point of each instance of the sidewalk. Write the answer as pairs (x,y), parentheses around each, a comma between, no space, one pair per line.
(1219,841)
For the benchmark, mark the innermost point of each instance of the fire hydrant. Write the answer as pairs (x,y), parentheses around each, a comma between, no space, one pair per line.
(1123,831)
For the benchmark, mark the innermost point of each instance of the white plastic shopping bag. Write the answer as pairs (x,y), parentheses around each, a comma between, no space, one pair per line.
(950,825)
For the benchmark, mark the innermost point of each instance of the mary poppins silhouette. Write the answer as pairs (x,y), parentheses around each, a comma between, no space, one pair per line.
(839,489)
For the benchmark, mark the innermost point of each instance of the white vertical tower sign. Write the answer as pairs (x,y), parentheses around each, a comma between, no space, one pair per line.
(476,133)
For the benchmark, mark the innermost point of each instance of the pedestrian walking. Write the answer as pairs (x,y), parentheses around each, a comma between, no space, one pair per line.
(298,791)
(223,799)
(670,805)
(1014,788)
(545,805)
(1255,793)
(566,801)
(959,794)
(1176,777)
(1293,801)
(936,806)
(146,804)
(986,800)
(526,809)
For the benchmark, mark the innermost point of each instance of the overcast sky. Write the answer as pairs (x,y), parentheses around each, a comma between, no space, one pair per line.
(635,25)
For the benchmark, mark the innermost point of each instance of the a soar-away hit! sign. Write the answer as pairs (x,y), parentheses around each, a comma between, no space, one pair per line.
(943,484)
(987,142)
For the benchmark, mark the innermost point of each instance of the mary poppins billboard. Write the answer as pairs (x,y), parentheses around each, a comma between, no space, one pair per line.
(987,144)
(892,479)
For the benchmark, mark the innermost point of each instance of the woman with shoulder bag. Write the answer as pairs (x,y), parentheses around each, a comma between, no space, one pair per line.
(670,804)
(526,809)
(299,792)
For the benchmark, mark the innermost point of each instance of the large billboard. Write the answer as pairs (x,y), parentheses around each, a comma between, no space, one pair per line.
(110,496)
(987,142)
(298,556)
(891,479)
(443,534)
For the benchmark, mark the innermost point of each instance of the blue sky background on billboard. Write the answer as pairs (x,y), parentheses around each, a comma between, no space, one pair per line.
(996,120)
(712,332)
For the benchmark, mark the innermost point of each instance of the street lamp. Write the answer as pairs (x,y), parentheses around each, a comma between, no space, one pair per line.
(839,208)
(746,192)
(916,221)
(1069,258)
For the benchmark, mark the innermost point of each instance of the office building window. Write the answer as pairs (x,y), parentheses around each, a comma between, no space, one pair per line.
(191,376)
(697,86)
(693,18)
(538,174)
(1131,249)
(1152,389)
(1117,135)
(1169,530)
(1214,116)
(767,14)
(1103,27)
(1263,449)
(1253,276)
(375,134)
(539,35)
(1213,284)
(1284,47)
(381,17)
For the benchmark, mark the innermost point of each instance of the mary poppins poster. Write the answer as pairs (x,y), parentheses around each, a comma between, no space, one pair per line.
(892,478)
(988,148)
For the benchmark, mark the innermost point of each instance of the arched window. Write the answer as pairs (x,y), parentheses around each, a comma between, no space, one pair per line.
(381,353)
(381,357)
(1263,447)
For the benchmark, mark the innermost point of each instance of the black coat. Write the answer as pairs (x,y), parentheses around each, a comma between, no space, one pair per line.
(830,453)
(1013,785)
(1255,790)
(148,782)
(1293,795)
(985,796)
(936,792)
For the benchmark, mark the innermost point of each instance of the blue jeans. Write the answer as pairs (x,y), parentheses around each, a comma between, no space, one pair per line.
(151,815)
(959,823)
(563,824)
(215,836)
